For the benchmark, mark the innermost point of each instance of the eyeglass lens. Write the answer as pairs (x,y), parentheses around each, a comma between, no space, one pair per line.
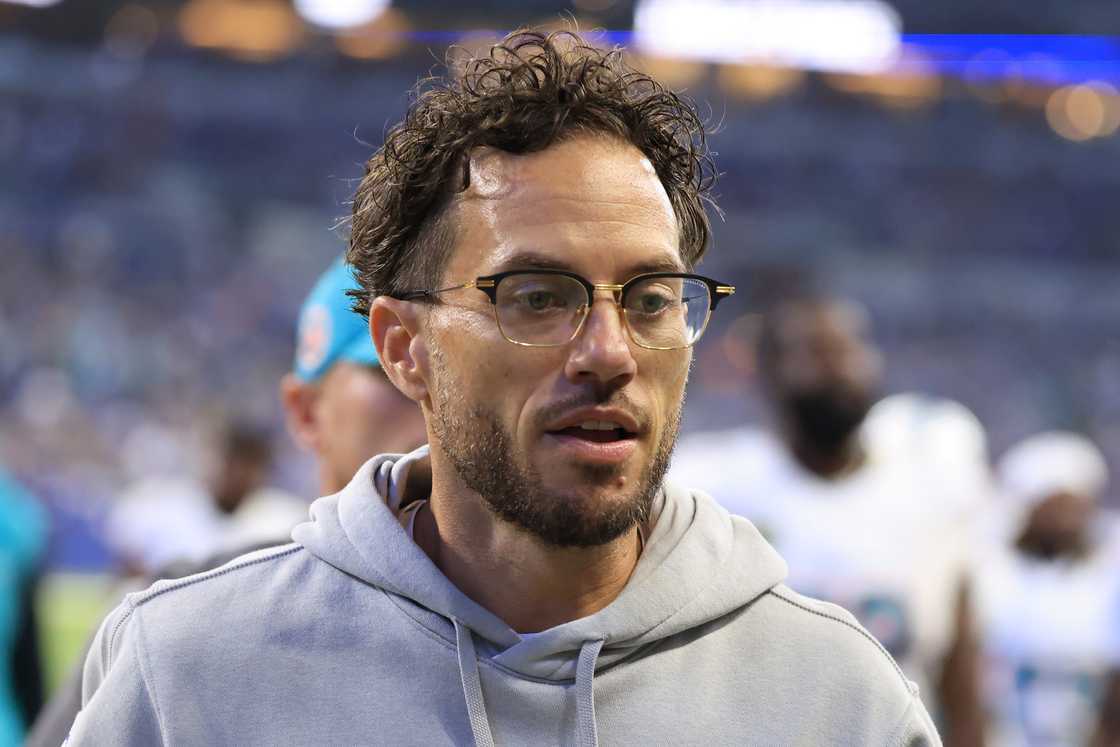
(546,309)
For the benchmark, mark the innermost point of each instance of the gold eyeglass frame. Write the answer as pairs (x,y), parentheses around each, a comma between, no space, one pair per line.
(488,284)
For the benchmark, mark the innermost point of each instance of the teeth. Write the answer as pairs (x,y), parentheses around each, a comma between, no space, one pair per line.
(598,425)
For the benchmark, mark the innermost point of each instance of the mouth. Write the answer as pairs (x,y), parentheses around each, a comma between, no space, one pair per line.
(594,440)
(596,431)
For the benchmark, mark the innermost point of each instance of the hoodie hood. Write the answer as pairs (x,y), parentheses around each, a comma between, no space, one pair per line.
(699,563)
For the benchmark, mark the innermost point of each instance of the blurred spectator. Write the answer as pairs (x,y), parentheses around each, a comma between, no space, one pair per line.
(339,405)
(859,504)
(1048,598)
(23,537)
(163,521)
(338,402)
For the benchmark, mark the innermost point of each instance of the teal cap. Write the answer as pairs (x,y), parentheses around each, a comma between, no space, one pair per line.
(328,330)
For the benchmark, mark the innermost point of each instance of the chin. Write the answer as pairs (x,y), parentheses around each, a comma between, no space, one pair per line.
(589,477)
(591,493)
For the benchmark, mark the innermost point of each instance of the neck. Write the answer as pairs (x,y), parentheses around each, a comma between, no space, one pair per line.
(833,463)
(529,584)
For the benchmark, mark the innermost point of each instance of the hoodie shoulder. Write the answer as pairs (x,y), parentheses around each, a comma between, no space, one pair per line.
(167,632)
(205,586)
(193,597)
(835,624)
(823,645)
(190,606)
(126,664)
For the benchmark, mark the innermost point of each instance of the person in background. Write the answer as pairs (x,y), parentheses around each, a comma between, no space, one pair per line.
(162,523)
(23,540)
(338,402)
(1048,598)
(865,501)
(338,405)
(167,528)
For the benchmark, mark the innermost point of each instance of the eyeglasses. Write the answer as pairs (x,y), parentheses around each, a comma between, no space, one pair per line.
(547,308)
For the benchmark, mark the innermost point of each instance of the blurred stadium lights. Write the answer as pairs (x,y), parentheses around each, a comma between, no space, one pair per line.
(1050,60)
(855,36)
(340,14)
(674,72)
(379,39)
(131,31)
(253,30)
(1085,111)
(759,82)
(893,90)
(912,84)
(994,91)
(32,3)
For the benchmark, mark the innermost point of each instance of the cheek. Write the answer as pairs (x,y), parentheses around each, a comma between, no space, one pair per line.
(481,368)
(670,374)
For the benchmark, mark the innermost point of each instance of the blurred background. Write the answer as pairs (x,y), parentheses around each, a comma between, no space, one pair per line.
(175,175)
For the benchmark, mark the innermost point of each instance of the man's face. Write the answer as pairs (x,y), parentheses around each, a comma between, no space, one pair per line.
(239,475)
(826,373)
(508,417)
(1058,524)
(360,414)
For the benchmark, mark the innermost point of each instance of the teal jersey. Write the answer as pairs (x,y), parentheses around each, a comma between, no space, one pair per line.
(23,538)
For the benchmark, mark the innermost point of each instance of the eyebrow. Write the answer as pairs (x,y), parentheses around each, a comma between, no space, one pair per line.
(529,260)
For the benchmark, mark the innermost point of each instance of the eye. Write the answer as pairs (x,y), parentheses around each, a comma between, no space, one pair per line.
(652,300)
(539,300)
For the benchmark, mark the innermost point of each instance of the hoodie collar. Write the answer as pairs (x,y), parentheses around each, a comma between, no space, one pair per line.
(699,564)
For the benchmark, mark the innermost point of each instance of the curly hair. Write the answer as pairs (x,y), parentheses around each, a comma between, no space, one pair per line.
(532,91)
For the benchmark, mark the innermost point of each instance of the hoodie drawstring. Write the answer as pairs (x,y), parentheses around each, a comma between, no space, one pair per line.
(588,735)
(587,730)
(472,686)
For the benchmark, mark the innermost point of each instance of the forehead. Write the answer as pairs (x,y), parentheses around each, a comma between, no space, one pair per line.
(590,204)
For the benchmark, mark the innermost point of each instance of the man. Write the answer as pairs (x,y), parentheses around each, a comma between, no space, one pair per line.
(522,241)
(865,503)
(338,403)
(1048,598)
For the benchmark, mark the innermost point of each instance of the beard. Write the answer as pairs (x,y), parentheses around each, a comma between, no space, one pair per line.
(826,418)
(483,454)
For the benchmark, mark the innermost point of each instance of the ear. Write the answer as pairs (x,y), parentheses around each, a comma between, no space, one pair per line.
(396,329)
(298,398)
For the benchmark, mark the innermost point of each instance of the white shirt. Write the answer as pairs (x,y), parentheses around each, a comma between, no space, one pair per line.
(887,542)
(1049,634)
(160,521)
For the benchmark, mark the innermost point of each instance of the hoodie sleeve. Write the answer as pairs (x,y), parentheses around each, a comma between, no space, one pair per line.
(118,702)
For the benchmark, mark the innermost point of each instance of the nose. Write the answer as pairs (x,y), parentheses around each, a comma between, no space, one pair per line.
(601,352)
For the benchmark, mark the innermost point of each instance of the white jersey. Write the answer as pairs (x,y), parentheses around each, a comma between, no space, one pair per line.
(161,521)
(886,542)
(1049,635)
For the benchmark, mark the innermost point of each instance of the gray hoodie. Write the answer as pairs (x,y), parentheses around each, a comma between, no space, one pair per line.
(351,635)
